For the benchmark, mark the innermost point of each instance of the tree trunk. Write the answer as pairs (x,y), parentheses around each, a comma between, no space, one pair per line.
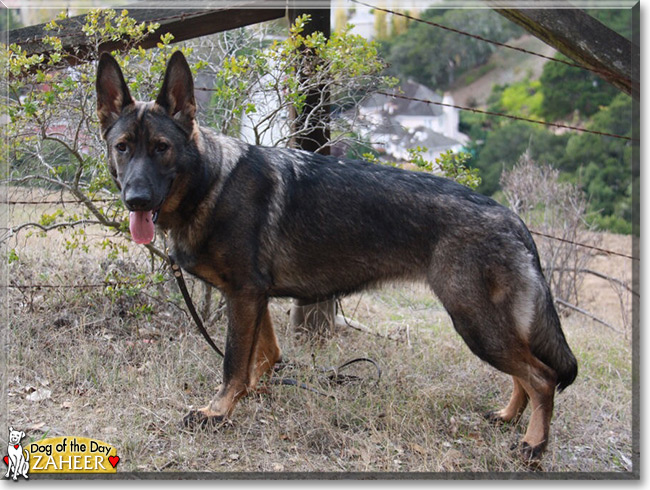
(316,318)
(311,315)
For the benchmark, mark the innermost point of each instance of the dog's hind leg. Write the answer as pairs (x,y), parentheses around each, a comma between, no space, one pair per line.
(539,384)
(491,336)
(248,320)
(516,406)
(538,387)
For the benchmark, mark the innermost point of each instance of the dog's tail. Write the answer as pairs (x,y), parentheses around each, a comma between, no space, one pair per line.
(548,343)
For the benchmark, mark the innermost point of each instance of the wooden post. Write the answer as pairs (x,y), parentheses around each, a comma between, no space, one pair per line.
(314,138)
(315,315)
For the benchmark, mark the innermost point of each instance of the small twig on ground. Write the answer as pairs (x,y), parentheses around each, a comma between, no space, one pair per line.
(342,321)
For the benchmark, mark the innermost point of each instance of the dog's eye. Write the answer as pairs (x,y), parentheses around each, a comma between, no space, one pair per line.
(121,147)
(161,147)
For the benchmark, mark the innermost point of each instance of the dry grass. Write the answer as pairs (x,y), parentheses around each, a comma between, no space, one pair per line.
(126,368)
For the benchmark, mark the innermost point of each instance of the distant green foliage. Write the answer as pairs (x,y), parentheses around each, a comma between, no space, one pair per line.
(599,165)
(435,57)
(449,164)
(523,98)
(603,164)
(503,146)
(619,20)
(566,89)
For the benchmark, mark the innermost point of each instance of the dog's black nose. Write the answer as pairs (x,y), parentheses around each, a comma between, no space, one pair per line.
(138,200)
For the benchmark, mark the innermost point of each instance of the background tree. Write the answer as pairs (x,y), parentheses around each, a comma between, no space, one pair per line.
(566,89)
(381,24)
(599,165)
(435,57)
(602,165)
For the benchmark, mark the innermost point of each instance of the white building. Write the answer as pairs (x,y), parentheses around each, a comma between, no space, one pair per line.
(394,125)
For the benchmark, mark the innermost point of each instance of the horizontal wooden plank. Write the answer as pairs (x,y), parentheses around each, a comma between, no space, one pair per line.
(183,24)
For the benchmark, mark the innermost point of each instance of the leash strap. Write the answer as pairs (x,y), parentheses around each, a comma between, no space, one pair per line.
(178,274)
(335,377)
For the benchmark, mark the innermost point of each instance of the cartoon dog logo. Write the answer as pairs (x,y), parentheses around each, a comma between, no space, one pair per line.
(18,458)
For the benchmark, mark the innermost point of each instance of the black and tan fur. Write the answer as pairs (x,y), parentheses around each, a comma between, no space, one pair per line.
(262,222)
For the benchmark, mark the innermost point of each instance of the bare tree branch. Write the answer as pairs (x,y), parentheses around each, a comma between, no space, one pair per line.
(586,313)
(623,284)
(67,224)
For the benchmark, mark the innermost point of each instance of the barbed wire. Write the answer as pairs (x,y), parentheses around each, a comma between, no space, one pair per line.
(73,201)
(584,245)
(534,232)
(480,38)
(74,286)
(509,116)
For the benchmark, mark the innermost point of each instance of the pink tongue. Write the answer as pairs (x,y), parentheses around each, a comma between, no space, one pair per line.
(141,226)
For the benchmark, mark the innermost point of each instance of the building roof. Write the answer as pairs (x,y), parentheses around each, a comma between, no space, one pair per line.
(429,139)
(400,106)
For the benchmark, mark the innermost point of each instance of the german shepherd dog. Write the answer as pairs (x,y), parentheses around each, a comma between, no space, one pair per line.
(261,222)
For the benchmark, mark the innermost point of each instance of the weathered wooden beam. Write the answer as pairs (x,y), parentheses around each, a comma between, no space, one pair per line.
(586,41)
(182,23)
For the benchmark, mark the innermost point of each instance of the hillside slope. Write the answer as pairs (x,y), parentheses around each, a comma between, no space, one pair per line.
(504,66)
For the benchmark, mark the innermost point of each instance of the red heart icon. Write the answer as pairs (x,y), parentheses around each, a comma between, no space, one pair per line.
(16,446)
(113,460)
(6,458)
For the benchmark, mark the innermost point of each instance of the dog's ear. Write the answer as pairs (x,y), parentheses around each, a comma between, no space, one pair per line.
(177,93)
(112,93)
(22,434)
(11,429)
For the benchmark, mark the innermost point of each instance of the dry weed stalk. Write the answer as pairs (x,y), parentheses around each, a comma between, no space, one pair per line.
(553,208)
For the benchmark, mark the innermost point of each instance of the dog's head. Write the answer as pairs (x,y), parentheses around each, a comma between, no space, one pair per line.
(15,436)
(149,143)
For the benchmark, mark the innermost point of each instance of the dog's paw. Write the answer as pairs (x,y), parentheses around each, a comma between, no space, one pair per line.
(493,417)
(496,418)
(532,453)
(199,419)
(531,456)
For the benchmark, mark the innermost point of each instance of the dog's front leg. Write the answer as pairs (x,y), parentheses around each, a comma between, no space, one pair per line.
(14,463)
(247,311)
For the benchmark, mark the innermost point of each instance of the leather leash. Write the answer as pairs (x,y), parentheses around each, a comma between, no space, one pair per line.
(335,377)
(178,275)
